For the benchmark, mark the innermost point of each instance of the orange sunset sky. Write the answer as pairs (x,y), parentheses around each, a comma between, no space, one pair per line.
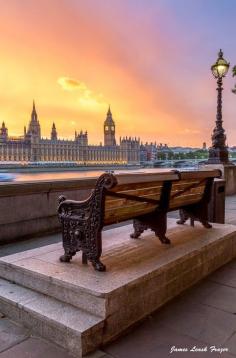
(150,60)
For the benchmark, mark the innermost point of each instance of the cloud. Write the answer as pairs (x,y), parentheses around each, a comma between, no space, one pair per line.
(70,84)
(87,99)
(189,131)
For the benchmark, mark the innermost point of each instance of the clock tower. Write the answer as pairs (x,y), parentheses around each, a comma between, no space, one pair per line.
(109,130)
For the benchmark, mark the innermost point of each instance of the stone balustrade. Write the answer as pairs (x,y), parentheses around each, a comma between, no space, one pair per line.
(29,209)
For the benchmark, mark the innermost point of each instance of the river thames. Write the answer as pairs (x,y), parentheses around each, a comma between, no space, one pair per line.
(30,176)
(45,174)
(20,177)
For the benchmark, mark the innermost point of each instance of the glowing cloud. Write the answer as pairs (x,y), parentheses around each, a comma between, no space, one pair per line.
(70,84)
(86,98)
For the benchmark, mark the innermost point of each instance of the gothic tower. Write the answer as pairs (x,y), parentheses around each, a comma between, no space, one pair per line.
(34,130)
(33,136)
(109,130)
(3,133)
(53,132)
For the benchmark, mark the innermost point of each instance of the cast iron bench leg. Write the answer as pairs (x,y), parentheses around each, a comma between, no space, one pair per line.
(139,228)
(67,256)
(98,265)
(155,222)
(197,213)
(160,228)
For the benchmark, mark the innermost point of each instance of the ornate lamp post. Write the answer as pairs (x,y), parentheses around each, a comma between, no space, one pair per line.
(218,153)
(234,74)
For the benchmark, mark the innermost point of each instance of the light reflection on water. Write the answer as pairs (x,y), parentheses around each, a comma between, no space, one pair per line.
(56,175)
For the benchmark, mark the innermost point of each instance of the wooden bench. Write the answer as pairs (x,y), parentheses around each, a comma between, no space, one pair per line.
(145,197)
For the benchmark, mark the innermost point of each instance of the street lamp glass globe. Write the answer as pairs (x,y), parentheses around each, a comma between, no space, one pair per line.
(220,68)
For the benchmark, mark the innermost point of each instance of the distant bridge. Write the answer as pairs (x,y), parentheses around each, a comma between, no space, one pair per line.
(180,163)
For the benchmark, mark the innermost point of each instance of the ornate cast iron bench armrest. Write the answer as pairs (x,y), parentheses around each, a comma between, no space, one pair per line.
(82,223)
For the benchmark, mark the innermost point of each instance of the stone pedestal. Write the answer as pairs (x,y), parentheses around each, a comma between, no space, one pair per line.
(228,173)
(81,309)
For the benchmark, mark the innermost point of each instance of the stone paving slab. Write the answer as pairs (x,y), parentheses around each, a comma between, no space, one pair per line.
(35,348)
(231,344)
(204,323)
(223,298)
(29,244)
(154,341)
(226,275)
(11,334)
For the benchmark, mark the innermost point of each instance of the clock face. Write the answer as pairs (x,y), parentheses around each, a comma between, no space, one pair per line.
(112,128)
(106,128)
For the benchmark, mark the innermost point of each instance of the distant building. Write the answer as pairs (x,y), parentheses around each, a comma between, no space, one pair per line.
(32,147)
(152,152)
(204,146)
(148,152)
(163,151)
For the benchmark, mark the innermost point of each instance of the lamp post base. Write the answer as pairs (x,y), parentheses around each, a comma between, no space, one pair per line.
(228,173)
(218,156)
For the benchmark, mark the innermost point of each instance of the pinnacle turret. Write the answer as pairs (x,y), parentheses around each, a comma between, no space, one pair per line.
(34,116)
(53,132)
(34,126)
(3,132)
(109,111)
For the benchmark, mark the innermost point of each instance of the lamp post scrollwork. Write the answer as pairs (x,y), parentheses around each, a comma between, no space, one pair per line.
(234,74)
(218,153)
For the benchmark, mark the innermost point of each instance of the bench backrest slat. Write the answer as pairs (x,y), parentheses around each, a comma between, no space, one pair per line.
(137,186)
(127,212)
(185,200)
(187,192)
(119,209)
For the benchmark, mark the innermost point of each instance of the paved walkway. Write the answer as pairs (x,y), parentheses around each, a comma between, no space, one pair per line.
(203,318)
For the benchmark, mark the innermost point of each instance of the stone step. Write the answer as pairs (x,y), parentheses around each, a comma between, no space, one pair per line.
(70,327)
(142,275)
(47,279)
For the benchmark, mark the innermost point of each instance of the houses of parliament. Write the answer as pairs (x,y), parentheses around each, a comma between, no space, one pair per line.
(31,147)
